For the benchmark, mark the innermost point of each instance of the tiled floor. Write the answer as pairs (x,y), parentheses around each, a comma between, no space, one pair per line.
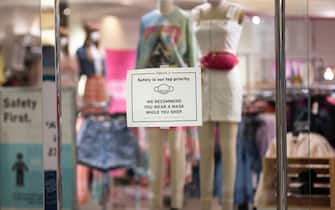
(190,205)
(123,198)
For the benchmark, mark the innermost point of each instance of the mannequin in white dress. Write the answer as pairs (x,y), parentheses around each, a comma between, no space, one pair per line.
(218,26)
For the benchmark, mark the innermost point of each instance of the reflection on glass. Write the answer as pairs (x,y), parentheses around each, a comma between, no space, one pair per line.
(20,44)
(184,168)
(216,166)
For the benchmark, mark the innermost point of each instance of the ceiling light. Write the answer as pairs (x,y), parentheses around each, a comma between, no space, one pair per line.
(67,11)
(256,20)
(329,74)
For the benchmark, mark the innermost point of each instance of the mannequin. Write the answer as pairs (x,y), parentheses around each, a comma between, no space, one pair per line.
(166,38)
(91,65)
(218,28)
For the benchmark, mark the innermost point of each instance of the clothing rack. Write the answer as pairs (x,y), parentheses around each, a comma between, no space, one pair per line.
(269,94)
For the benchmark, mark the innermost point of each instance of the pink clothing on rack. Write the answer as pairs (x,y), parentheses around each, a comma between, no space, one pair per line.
(118,62)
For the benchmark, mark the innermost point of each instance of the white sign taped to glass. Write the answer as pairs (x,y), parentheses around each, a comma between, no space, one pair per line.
(164,97)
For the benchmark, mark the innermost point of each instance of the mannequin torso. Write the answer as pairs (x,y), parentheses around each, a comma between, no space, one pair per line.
(218,27)
(166,37)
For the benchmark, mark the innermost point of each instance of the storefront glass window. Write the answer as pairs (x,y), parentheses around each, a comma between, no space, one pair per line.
(227,163)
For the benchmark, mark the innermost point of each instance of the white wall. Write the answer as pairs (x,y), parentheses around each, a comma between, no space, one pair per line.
(116,33)
(323,34)
(306,39)
(20,20)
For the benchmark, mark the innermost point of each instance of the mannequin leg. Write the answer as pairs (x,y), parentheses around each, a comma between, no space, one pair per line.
(177,145)
(156,137)
(206,143)
(228,134)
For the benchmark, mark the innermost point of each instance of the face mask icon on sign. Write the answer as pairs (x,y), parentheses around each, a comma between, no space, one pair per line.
(164,89)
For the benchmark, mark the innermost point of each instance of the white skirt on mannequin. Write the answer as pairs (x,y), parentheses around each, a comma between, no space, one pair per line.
(222,94)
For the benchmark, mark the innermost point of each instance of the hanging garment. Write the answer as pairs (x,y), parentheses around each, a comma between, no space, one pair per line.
(320,122)
(166,40)
(249,161)
(118,63)
(330,107)
(192,184)
(265,133)
(306,145)
(107,144)
(221,90)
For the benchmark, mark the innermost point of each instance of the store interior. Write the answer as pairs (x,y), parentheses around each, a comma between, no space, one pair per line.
(116,167)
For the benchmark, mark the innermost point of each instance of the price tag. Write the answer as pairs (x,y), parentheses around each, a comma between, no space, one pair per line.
(50,127)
